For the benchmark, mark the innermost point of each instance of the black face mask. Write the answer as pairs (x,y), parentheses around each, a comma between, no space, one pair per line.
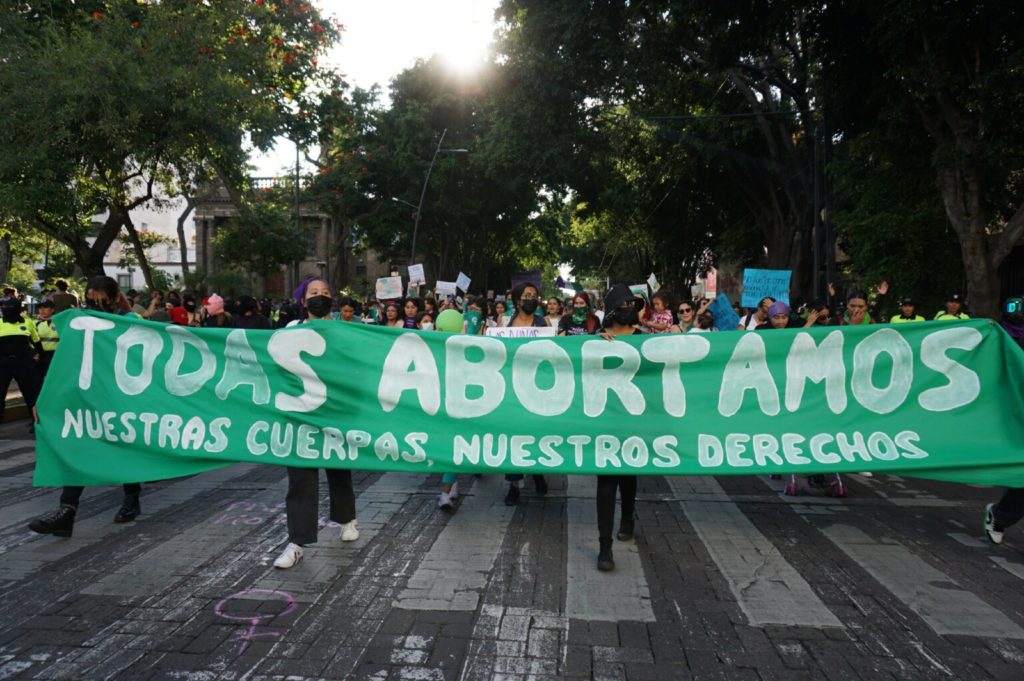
(93,305)
(319,306)
(529,305)
(12,315)
(626,316)
(190,306)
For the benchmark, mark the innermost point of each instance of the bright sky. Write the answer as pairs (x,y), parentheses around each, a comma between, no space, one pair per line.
(384,37)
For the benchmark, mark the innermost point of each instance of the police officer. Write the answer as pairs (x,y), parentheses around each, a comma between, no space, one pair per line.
(48,337)
(908,312)
(954,309)
(102,295)
(19,351)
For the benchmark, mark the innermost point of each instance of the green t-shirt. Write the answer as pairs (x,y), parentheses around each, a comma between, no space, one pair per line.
(473,321)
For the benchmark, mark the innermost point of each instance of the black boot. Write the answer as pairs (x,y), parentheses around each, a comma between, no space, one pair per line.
(626,529)
(541,484)
(512,498)
(59,523)
(129,509)
(605,562)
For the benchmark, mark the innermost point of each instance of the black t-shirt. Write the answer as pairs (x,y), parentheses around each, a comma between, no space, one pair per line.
(569,328)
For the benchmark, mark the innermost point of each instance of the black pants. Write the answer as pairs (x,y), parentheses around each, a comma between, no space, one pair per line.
(45,359)
(21,368)
(304,498)
(606,488)
(71,494)
(1010,508)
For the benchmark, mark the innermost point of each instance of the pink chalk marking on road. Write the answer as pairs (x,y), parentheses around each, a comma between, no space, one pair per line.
(248,636)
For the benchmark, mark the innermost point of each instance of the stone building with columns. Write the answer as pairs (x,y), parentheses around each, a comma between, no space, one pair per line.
(214,208)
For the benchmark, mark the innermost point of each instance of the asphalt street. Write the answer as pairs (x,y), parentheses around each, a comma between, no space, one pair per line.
(727,578)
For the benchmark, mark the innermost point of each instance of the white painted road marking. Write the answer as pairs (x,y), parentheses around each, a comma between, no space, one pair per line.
(454,572)
(620,595)
(933,595)
(767,588)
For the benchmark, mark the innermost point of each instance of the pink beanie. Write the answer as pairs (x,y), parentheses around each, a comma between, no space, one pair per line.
(214,304)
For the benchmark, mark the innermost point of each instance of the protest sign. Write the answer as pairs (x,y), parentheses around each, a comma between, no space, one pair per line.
(416,275)
(521,331)
(757,284)
(641,290)
(711,283)
(389,288)
(652,281)
(445,288)
(726,318)
(141,400)
(462,282)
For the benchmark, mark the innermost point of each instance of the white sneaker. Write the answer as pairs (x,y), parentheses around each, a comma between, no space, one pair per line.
(867,474)
(444,502)
(349,531)
(994,535)
(453,494)
(291,555)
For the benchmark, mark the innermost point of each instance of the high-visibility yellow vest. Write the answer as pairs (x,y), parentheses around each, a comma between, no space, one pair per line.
(47,334)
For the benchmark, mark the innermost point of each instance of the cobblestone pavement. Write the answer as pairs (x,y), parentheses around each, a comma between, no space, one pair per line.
(727,579)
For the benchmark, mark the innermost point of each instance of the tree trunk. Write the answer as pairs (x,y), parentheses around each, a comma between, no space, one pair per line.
(190,204)
(5,257)
(140,252)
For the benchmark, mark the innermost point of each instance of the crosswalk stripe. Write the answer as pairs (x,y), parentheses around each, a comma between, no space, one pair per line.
(455,570)
(767,588)
(620,595)
(324,562)
(28,558)
(933,595)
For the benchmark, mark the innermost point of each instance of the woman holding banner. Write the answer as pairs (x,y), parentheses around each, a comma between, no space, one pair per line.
(304,483)
(526,299)
(622,315)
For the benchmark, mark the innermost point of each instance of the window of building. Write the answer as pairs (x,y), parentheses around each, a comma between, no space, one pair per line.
(124,281)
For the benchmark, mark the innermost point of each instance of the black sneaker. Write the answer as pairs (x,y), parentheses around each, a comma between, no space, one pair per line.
(625,530)
(512,498)
(605,562)
(992,531)
(541,484)
(129,509)
(59,523)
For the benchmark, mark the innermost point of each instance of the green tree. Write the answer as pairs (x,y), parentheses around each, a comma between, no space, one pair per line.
(260,239)
(110,101)
(943,79)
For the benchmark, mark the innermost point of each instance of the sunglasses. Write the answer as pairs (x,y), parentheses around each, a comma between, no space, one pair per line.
(685,309)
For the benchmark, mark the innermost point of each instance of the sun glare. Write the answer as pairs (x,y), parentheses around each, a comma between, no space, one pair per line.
(464,40)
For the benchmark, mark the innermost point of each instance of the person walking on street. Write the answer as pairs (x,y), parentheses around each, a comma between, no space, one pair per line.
(526,299)
(622,315)
(1008,511)
(103,296)
(303,497)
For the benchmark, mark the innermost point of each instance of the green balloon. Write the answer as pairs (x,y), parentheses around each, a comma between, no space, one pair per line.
(450,321)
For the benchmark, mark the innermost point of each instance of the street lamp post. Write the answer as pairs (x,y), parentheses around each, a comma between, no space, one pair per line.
(423,193)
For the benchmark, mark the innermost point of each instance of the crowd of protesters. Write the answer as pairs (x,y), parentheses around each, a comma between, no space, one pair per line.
(27,345)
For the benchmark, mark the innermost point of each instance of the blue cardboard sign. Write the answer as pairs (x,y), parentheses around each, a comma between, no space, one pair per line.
(757,284)
(726,318)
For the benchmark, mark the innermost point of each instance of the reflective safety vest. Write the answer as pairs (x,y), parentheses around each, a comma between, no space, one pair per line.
(47,335)
(898,319)
(17,338)
(943,315)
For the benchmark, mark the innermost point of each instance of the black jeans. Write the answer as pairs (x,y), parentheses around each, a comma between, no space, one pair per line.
(1010,508)
(21,368)
(71,494)
(606,488)
(303,500)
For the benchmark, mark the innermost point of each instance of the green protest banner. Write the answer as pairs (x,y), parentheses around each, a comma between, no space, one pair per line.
(129,400)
